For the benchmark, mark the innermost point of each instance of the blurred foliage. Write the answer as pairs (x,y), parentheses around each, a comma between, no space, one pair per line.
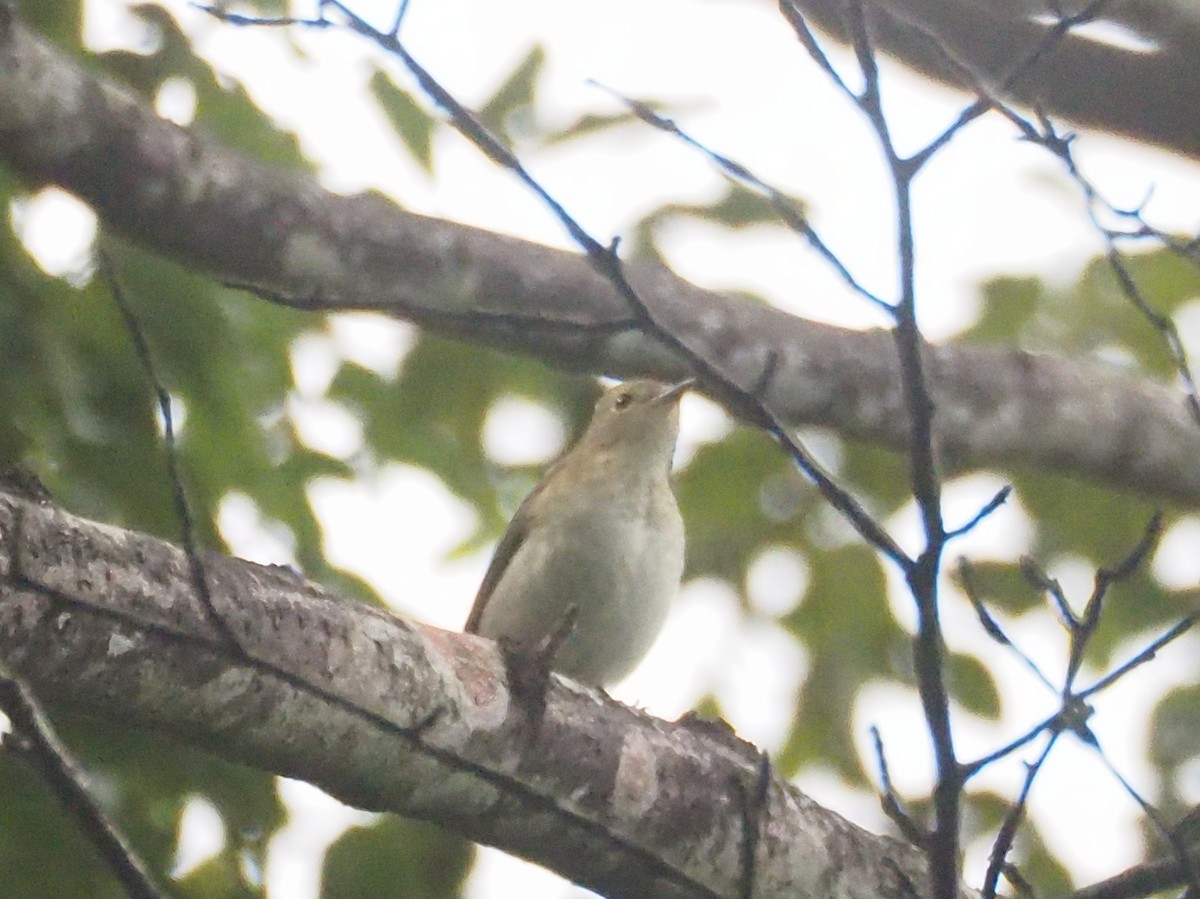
(146,781)
(985,814)
(510,110)
(223,110)
(737,208)
(1093,316)
(395,859)
(407,116)
(75,407)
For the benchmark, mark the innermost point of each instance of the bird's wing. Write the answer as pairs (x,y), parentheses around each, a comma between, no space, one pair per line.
(517,531)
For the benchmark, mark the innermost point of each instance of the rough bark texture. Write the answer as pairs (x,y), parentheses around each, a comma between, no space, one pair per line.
(171,190)
(392,715)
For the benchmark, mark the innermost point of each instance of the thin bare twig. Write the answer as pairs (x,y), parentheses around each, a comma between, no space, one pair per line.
(923,573)
(606,261)
(1179,850)
(33,738)
(889,799)
(183,509)
(783,205)
(1007,833)
(1062,148)
(999,499)
(991,626)
(1085,626)
(809,41)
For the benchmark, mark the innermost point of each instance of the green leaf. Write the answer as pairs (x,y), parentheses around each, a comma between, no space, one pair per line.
(220,877)
(60,22)
(845,624)
(515,96)
(223,109)
(1009,305)
(1093,317)
(409,119)
(1175,728)
(590,124)
(738,495)
(433,414)
(1001,586)
(877,476)
(36,835)
(738,207)
(971,683)
(396,859)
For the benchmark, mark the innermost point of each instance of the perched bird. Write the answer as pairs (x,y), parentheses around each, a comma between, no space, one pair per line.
(594,554)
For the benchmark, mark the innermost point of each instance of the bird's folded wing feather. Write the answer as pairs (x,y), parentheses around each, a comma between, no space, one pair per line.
(517,531)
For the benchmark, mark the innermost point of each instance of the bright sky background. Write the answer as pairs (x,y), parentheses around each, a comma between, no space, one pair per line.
(989,204)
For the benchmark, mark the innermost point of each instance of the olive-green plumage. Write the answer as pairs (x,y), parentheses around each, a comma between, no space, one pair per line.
(601,533)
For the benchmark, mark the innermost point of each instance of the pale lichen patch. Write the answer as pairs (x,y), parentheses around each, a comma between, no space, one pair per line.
(635,787)
(119,644)
(308,256)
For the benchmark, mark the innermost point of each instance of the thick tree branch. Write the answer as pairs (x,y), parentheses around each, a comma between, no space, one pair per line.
(392,715)
(175,192)
(1146,95)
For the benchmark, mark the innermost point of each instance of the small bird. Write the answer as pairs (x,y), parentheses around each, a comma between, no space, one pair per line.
(594,555)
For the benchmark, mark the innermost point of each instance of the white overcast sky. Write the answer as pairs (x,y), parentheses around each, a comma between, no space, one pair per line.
(990,204)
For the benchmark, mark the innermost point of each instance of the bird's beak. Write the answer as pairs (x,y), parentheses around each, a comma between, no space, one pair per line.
(675,391)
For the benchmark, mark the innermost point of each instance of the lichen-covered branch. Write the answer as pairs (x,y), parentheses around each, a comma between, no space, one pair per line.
(388,714)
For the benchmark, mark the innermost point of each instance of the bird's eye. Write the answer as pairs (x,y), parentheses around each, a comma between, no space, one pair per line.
(623,400)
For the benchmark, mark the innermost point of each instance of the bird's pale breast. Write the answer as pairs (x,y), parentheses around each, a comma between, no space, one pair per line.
(609,562)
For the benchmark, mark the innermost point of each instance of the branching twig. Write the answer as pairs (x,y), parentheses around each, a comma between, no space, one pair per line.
(33,739)
(998,500)
(1073,704)
(1086,626)
(415,733)
(890,800)
(1060,146)
(991,626)
(1046,136)
(783,205)
(923,572)
(1002,845)
(1074,710)
(183,509)
(606,261)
